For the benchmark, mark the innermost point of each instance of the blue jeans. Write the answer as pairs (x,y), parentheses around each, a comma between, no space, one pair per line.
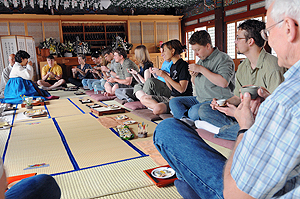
(99,83)
(84,82)
(40,186)
(186,106)
(194,161)
(229,127)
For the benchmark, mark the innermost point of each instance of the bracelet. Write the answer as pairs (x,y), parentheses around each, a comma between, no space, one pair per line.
(241,132)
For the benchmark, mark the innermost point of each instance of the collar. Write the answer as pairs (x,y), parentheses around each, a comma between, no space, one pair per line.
(213,54)
(295,69)
(260,60)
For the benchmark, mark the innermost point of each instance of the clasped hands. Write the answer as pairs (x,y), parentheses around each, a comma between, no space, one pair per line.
(246,112)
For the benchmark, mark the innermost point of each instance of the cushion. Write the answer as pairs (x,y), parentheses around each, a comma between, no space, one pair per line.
(146,114)
(229,144)
(89,92)
(101,97)
(135,105)
(120,101)
(165,116)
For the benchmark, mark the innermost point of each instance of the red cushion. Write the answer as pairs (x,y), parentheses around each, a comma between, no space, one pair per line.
(89,92)
(146,114)
(101,97)
(210,137)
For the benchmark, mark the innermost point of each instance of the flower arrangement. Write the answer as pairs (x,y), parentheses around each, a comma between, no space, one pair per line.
(51,44)
(81,47)
(66,47)
(27,100)
(121,43)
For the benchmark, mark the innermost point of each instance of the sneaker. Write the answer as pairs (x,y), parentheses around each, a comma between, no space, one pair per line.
(188,121)
(130,100)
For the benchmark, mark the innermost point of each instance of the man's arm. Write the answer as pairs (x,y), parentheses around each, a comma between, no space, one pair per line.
(126,81)
(245,118)
(216,79)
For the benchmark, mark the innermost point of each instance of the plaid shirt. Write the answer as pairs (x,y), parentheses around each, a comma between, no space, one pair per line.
(266,163)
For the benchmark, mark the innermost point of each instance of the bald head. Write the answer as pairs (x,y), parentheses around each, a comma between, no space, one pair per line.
(11,59)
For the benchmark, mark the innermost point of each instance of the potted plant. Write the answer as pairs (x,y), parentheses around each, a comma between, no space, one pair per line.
(50,44)
(67,49)
(27,101)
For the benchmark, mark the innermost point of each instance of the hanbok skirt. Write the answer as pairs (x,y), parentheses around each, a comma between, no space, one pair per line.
(18,87)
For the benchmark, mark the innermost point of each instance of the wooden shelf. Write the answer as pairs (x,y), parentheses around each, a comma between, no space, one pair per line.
(104,31)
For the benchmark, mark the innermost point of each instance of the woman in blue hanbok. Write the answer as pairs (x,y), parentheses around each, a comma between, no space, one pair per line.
(20,81)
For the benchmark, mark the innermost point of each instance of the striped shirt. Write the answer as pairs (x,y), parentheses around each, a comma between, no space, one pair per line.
(266,163)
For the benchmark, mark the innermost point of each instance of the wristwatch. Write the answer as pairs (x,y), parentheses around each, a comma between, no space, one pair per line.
(241,131)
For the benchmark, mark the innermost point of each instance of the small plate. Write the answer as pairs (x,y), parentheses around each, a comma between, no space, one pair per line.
(129,122)
(121,117)
(163,172)
(113,106)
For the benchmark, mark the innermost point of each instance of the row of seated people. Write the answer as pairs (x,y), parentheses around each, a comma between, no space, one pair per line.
(264,162)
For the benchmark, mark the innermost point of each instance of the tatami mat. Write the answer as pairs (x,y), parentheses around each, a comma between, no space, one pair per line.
(76,102)
(120,180)
(91,143)
(62,107)
(36,143)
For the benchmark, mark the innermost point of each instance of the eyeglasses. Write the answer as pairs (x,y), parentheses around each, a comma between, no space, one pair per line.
(238,38)
(266,32)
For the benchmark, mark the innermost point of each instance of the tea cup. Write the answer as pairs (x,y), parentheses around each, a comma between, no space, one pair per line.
(250,89)
(221,102)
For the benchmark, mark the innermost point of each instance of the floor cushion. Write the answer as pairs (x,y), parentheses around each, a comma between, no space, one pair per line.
(135,105)
(146,114)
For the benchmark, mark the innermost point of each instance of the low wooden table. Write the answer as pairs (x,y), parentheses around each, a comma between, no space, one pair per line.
(106,110)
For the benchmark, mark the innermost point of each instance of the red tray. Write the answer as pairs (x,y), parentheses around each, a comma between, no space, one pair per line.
(160,182)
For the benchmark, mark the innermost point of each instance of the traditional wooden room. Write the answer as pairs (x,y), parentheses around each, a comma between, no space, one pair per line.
(148,99)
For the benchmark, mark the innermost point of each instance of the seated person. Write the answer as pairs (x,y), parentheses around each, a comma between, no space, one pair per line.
(156,85)
(20,83)
(51,75)
(213,77)
(123,78)
(80,72)
(99,77)
(259,68)
(143,58)
(178,82)
(41,186)
(5,74)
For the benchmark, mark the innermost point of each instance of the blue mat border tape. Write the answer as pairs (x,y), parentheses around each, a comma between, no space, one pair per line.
(63,139)
(9,134)
(76,105)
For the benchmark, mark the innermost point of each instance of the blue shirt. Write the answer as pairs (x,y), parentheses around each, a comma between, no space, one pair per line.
(165,67)
(266,163)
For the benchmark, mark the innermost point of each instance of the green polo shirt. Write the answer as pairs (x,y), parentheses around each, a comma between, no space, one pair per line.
(122,72)
(267,73)
(220,63)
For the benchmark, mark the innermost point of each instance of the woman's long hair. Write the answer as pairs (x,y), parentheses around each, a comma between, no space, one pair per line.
(142,55)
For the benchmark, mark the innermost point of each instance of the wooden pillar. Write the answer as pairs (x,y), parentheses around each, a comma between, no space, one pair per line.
(220,28)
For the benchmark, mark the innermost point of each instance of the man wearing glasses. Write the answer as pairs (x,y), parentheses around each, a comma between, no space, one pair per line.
(265,160)
(259,68)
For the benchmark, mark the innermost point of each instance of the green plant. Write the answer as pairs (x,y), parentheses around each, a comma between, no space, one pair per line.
(27,100)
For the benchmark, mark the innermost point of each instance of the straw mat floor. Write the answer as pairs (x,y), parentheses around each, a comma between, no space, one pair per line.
(91,143)
(119,181)
(36,143)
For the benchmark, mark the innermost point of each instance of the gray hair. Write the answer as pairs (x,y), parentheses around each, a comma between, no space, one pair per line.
(284,8)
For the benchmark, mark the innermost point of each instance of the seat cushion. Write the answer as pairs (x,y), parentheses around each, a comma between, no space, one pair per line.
(135,105)
(146,114)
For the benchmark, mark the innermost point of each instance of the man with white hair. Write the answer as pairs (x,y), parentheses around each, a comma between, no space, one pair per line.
(265,160)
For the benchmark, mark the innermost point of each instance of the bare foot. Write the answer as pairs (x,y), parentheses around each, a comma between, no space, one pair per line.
(108,94)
